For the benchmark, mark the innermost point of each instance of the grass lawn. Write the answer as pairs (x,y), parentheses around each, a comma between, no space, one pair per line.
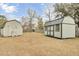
(31,43)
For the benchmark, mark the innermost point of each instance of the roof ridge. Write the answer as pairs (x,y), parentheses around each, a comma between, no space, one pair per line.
(55,19)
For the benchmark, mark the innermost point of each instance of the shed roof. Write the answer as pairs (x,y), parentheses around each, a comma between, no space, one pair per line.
(3,24)
(53,22)
(59,21)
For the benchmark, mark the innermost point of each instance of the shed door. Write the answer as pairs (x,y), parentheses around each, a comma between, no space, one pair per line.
(49,30)
(52,31)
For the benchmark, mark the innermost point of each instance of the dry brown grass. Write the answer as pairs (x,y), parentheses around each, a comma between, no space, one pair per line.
(38,44)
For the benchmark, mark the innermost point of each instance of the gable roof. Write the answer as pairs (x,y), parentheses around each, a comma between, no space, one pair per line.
(3,24)
(53,22)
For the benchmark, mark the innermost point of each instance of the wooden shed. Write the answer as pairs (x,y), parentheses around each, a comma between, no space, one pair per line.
(11,28)
(63,27)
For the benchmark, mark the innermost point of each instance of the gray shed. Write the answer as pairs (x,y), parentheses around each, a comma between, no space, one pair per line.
(61,28)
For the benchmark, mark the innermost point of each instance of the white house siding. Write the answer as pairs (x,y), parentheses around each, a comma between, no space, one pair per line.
(68,27)
(57,34)
(68,20)
(12,28)
(68,31)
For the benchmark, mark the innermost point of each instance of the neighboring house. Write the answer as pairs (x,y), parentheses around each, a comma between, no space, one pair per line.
(11,28)
(61,28)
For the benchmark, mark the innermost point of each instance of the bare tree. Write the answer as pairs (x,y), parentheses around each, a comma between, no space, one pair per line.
(31,15)
(49,10)
(25,23)
(40,24)
(23,20)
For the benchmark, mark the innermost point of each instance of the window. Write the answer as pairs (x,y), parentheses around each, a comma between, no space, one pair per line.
(45,28)
(57,27)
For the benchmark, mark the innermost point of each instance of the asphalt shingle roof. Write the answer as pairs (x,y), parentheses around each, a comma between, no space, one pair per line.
(53,22)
